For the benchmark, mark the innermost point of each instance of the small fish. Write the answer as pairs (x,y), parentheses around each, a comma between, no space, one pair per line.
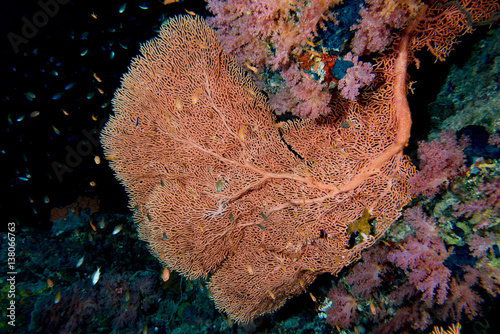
(20,118)
(308,42)
(372,307)
(65,112)
(80,262)
(241,133)
(92,183)
(30,96)
(278,125)
(100,91)
(117,229)
(196,96)
(250,269)
(251,68)
(97,160)
(122,8)
(46,199)
(22,178)
(301,282)
(34,114)
(312,297)
(143,7)
(263,215)
(58,297)
(314,53)
(54,73)
(210,114)
(190,12)
(50,283)
(164,236)
(112,55)
(69,86)
(218,186)
(168,2)
(96,275)
(178,104)
(261,227)
(271,294)
(92,225)
(84,52)
(93,15)
(137,121)
(102,224)
(165,275)
(56,130)
(231,218)
(56,96)
(96,77)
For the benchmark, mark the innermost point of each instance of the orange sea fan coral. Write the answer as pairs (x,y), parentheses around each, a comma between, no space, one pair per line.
(218,188)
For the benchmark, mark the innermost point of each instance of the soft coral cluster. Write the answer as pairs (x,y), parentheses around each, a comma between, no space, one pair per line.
(440,161)
(266,36)
(406,283)
(343,310)
(485,205)
(373,33)
(121,299)
(421,257)
(266,33)
(356,77)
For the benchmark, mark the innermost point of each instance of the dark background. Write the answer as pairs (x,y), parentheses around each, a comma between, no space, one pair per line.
(49,60)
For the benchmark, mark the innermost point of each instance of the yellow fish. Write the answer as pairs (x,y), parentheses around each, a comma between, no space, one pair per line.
(165,275)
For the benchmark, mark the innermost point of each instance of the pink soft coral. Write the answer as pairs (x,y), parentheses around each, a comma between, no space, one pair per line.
(486,204)
(422,256)
(300,95)
(365,276)
(462,299)
(342,313)
(355,78)
(373,33)
(440,161)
